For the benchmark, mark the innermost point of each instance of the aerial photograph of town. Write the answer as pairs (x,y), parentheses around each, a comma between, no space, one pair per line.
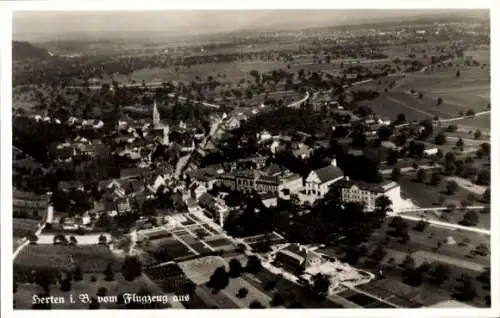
(251,159)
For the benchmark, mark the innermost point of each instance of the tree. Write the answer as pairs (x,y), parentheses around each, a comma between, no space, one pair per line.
(440,273)
(254,264)
(32,238)
(219,279)
(440,139)
(277,300)
(466,292)
(451,187)
(392,157)
(102,239)
(382,206)
(94,304)
(256,305)
(65,284)
(421,175)
(395,174)
(439,101)
(471,218)
(78,274)
(102,291)
(296,304)
(401,118)
(235,268)
(485,276)
(60,239)
(270,285)
(435,178)
(482,250)
(108,273)
(321,284)
(378,254)
(458,73)
(242,292)
(460,144)
(73,240)
(131,268)
(421,225)
(408,262)
(484,177)
(486,195)
(477,134)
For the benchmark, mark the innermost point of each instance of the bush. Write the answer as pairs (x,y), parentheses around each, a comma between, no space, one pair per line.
(242,293)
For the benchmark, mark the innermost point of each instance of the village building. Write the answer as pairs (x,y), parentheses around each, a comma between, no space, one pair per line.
(319,181)
(295,258)
(367,193)
(30,205)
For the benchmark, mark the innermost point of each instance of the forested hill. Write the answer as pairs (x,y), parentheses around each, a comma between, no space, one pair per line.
(25,50)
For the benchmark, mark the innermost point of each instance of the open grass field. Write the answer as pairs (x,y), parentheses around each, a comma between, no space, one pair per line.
(23,297)
(469,91)
(482,122)
(91,258)
(199,270)
(455,217)
(482,55)
(426,195)
(236,71)
(21,227)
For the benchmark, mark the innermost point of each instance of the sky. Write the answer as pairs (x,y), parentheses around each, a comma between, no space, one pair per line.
(190,22)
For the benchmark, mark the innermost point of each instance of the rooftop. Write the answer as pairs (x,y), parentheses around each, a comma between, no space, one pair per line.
(329,173)
(381,187)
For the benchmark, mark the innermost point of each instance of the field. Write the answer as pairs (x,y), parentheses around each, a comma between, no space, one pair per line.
(290,291)
(426,195)
(91,258)
(235,71)
(469,91)
(424,247)
(454,217)
(274,238)
(190,238)
(394,292)
(23,297)
(21,227)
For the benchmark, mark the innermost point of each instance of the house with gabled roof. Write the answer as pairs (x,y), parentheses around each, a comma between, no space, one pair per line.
(318,181)
(133,173)
(197,190)
(296,258)
(108,184)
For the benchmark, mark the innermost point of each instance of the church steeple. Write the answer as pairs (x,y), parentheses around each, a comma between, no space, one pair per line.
(156,116)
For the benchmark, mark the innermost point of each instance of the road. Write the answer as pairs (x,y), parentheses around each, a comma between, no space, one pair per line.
(443,224)
(407,169)
(25,242)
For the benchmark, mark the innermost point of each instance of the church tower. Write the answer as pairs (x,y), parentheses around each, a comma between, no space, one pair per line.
(156,116)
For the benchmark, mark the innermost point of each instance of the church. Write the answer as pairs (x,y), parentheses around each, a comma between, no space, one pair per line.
(158,126)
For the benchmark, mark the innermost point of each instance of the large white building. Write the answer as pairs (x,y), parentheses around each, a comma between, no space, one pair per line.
(318,182)
(367,193)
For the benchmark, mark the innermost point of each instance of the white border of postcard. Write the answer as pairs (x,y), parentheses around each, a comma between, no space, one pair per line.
(7,7)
